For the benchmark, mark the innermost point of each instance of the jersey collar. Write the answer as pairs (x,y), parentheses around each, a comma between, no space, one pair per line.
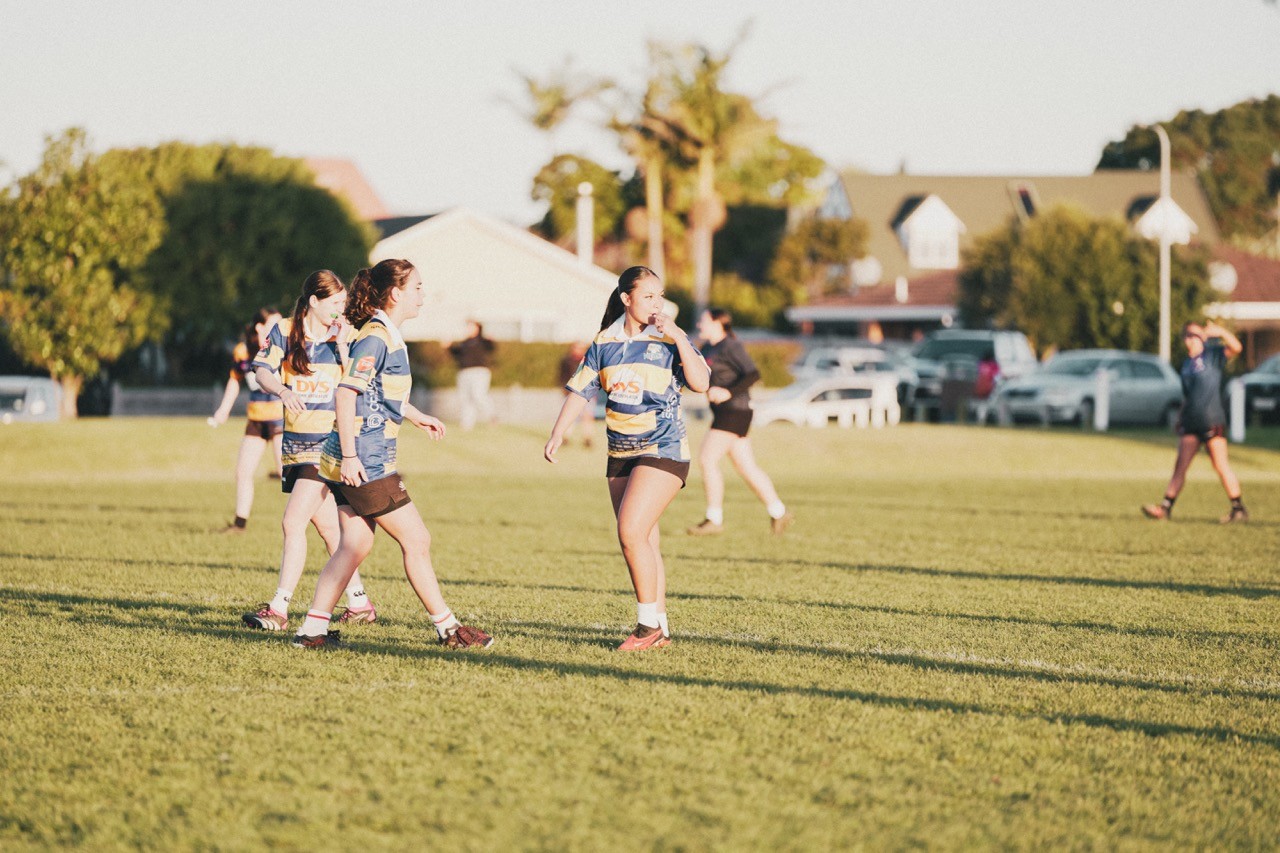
(381,316)
(617,332)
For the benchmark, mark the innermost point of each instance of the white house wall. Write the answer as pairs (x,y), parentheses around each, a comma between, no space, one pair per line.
(473,269)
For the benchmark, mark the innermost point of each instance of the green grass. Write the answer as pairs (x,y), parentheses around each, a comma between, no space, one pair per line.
(971,639)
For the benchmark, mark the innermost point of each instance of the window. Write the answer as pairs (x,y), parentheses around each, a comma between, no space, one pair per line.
(1146,370)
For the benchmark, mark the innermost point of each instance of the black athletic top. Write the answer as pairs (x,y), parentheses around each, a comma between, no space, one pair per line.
(731,369)
(1202,389)
(472,352)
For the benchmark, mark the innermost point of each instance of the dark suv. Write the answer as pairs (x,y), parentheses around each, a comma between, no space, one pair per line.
(959,365)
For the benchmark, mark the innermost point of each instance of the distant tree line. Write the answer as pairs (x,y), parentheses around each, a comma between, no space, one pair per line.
(172,246)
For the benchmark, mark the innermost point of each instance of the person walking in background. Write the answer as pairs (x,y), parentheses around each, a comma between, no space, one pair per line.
(302,364)
(265,414)
(1203,420)
(569,366)
(359,457)
(641,359)
(732,374)
(474,357)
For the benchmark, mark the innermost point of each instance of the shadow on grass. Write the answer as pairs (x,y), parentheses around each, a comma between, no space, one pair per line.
(987,510)
(1263,640)
(101,507)
(133,561)
(498,661)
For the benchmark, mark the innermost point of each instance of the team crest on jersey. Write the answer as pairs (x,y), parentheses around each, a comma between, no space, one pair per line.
(626,387)
(653,352)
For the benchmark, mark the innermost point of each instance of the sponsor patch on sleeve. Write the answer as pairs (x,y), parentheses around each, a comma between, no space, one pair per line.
(364,368)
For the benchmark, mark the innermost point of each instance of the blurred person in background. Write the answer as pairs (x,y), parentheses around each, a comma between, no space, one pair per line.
(265,414)
(733,372)
(474,358)
(1203,420)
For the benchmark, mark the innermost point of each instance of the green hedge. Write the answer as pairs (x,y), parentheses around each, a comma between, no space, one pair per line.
(537,365)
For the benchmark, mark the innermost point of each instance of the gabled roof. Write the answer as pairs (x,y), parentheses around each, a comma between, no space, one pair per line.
(930,296)
(395,224)
(987,202)
(343,178)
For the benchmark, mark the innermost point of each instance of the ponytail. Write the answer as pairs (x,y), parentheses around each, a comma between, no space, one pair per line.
(321,284)
(370,287)
(626,283)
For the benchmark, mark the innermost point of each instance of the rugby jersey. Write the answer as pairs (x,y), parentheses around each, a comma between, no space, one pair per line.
(262,406)
(304,432)
(378,371)
(642,377)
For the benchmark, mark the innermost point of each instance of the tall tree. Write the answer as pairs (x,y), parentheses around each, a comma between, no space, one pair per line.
(1070,280)
(72,241)
(547,103)
(557,185)
(1235,152)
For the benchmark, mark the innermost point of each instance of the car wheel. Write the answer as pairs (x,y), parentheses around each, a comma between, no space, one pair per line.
(1086,414)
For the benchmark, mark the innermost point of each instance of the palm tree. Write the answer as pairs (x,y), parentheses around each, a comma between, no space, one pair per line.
(546,104)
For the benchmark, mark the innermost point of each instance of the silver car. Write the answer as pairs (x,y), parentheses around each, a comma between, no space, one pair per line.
(1142,390)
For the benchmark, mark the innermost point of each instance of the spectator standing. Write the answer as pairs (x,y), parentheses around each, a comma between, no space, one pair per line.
(474,357)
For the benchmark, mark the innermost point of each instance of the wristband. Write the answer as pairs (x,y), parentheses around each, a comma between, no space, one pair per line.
(352,456)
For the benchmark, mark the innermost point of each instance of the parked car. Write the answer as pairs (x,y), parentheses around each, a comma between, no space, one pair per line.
(28,398)
(1262,390)
(868,399)
(849,359)
(975,360)
(1142,390)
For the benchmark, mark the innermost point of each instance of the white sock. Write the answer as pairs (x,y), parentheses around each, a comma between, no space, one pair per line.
(777,509)
(316,624)
(444,622)
(662,623)
(357,599)
(647,614)
(715,514)
(280,603)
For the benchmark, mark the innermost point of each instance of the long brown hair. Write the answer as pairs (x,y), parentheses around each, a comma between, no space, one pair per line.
(627,282)
(250,338)
(371,285)
(321,284)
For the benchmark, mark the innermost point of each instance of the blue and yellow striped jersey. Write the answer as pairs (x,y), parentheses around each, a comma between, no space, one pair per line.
(304,432)
(262,405)
(642,377)
(378,371)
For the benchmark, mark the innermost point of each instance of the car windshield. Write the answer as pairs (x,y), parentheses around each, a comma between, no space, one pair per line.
(938,349)
(12,401)
(1073,366)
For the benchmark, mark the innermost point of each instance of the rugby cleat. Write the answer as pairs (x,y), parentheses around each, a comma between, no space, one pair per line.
(778,526)
(644,638)
(1238,515)
(1155,512)
(363,616)
(321,642)
(266,619)
(706,527)
(466,637)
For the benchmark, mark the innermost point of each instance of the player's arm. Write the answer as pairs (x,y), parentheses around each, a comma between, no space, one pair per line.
(344,404)
(229,395)
(270,382)
(1230,342)
(570,411)
(422,420)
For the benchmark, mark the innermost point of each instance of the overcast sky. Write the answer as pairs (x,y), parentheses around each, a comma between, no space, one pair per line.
(411,90)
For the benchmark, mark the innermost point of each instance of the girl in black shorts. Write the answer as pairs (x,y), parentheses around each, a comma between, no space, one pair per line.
(1203,420)
(732,375)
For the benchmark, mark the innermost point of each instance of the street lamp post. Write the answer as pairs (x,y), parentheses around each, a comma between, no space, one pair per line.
(1166,242)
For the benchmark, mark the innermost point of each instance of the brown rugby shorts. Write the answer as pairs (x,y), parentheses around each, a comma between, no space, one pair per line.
(736,421)
(374,498)
(623,466)
(294,473)
(265,430)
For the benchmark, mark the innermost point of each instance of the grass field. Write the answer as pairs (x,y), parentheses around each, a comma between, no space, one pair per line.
(970,639)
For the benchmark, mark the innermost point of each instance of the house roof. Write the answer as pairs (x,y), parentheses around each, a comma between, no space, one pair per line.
(393,225)
(343,178)
(930,296)
(987,202)
(1255,299)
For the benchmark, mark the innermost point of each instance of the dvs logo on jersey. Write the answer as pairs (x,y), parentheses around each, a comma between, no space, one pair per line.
(626,387)
(313,389)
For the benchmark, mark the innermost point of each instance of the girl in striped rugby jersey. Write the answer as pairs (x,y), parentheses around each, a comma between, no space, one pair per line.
(641,359)
(302,364)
